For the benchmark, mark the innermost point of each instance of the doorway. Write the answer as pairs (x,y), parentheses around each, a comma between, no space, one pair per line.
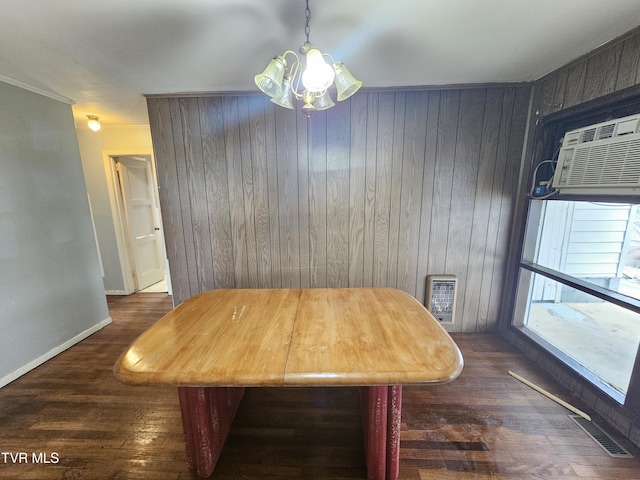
(138,222)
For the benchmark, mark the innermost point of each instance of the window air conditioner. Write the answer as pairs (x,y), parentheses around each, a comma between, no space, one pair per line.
(602,159)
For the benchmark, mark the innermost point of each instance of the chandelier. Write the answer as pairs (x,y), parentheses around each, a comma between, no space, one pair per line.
(308,81)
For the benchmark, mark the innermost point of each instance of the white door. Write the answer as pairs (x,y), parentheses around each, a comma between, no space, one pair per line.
(141,210)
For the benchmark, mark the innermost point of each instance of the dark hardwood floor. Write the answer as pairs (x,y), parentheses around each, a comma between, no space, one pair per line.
(70,419)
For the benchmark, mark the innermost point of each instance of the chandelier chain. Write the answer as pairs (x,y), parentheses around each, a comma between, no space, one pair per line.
(307,14)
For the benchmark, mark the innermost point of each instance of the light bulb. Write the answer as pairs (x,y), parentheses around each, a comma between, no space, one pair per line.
(93,123)
(318,74)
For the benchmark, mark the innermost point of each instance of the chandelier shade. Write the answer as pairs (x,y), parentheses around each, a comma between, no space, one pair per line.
(346,84)
(285,99)
(270,81)
(323,102)
(307,78)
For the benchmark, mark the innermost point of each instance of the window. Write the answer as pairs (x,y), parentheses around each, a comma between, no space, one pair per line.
(579,288)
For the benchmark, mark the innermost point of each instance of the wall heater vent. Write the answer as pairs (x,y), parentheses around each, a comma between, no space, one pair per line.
(441,297)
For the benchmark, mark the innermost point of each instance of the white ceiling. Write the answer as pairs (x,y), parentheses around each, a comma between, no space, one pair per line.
(105,54)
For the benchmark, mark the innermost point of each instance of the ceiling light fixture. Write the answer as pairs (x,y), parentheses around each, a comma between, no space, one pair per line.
(281,81)
(93,123)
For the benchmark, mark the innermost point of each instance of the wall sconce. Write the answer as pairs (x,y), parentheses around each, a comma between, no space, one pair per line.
(93,123)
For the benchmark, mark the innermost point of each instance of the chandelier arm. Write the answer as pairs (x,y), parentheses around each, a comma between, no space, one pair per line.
(293,72)
(295,55)
(324,54)
(295,79)
(292,53)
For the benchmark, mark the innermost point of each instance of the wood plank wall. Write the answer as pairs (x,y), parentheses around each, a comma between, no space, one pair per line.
(382,190)
(609,69)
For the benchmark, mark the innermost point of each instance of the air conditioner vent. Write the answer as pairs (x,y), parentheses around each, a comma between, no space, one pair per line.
(606,131)
(571,138)
(601,159)
(628,126)
(588,135)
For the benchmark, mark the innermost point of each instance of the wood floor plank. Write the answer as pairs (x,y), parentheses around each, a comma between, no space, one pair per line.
(484,425)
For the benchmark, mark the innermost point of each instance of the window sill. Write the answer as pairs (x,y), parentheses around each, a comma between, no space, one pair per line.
(547,349)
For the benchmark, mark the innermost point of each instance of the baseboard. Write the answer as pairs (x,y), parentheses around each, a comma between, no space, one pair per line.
(52,353)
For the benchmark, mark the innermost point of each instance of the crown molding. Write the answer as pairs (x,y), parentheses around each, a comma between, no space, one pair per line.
(39,91)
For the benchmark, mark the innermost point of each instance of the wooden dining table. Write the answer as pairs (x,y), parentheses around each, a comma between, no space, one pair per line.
(218,342)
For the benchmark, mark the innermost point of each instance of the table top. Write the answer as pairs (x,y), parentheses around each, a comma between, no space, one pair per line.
(293,337)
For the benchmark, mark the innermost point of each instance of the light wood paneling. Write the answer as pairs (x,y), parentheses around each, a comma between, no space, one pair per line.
(382,190)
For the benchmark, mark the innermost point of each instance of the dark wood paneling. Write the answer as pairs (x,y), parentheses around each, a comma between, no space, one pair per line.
(337,230)
(164,152)
(287,197)
(357,189)
(249,196)
(197,193)
(396,184)
(493,259)
(303,199)
(575,84)
(443,185)
(428,183)
(508,198)
(217,188)
(598,80)
(273,200)
(258,120)
(609,69)
(629,63)
(233,153)
(182,202)
(382,190)
(411,198)
(488,173)
(465,179)
(317,188)
(382,194)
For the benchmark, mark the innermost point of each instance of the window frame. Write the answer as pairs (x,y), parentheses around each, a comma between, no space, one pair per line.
(548,131)
(527,269)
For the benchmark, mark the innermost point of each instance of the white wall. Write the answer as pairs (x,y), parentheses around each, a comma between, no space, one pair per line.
(93,145)
(51,292)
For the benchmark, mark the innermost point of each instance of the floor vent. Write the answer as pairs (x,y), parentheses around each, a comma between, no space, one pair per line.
(607,443)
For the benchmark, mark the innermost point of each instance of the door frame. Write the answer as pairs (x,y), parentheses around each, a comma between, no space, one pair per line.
(127,265)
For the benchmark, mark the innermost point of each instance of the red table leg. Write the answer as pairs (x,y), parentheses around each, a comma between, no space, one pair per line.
(207,414)
(381,414)
(394,409)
